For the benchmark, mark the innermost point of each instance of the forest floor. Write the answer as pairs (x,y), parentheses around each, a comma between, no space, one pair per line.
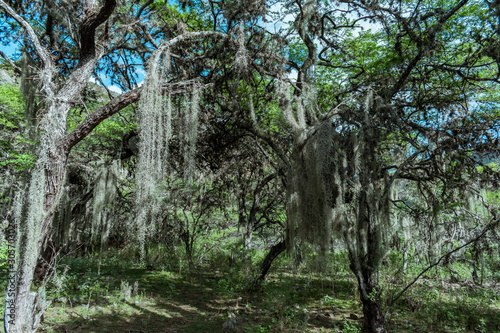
(95,298)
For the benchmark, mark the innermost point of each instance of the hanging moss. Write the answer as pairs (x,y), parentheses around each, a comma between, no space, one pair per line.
(29,226)
(191,135)
(314,190)
(241,60)
(314,181)
(63,228)
(335,184)
(155,122)
(155,117)
(29,89)
(105,193)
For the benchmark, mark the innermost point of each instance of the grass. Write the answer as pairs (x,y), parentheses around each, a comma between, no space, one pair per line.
(94,297)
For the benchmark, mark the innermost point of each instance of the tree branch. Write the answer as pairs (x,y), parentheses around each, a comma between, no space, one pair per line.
(43,54)
(39,49)
(90,24)
(490,226)
(117,104)
(17,70)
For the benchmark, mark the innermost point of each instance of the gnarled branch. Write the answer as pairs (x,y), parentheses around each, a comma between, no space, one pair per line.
(117,104)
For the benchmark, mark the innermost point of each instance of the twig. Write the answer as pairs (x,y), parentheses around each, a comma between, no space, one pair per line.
(475,239)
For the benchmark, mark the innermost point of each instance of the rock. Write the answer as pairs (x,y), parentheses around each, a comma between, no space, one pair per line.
(62,300)
(353,316)
(230,325)
(135,290)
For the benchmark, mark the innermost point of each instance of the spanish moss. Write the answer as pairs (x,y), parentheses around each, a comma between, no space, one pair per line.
(105,193)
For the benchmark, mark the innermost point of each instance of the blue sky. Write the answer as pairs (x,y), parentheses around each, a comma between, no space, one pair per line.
(11,50)
(272,26)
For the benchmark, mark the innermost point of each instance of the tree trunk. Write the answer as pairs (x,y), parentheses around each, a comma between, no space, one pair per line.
(25,308)
(47,178)
(405,261)
(273,253)
(373,321)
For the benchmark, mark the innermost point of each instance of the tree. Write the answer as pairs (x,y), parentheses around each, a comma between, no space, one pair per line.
(412,100)
(401,102)
(75,39)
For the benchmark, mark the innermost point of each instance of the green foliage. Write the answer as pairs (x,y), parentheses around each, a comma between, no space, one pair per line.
(348,327)
(20,162)
(191,15)
(11,107)
(15,149)
(3,262)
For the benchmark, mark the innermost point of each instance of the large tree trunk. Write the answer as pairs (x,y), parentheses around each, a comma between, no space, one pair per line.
(373,321)
(365,264)
(366,256)
(24,308)
(47,178)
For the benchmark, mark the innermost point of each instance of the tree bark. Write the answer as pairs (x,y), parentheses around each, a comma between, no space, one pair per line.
(373,320)
(47,176)
(364,265)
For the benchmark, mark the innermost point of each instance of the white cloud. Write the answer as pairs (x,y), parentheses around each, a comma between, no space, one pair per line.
(283,21)
(115,89)
(112,88)
(140,71)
